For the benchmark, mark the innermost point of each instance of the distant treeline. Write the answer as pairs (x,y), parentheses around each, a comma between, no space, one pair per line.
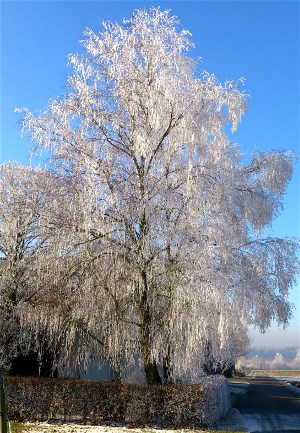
(268,353)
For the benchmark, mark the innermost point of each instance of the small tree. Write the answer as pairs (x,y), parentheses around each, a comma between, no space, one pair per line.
(278,362)
(258,363)
(296,361)
(162,205)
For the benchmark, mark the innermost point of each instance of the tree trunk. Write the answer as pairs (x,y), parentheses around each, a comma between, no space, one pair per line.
(150,366)
(116,370)
(152,373)
(167,367)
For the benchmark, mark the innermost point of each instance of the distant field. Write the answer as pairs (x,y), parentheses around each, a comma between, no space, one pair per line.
(281,373)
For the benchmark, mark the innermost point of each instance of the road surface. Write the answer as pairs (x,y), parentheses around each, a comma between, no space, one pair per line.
(268,406)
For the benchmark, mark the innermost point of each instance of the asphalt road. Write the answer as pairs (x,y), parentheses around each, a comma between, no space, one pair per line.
(268,406)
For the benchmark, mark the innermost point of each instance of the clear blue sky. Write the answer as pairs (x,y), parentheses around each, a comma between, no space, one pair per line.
(257,40)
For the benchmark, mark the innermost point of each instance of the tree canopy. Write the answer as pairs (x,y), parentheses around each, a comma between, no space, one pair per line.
(157,234)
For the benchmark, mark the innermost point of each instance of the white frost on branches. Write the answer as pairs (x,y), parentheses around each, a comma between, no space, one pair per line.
(160,237)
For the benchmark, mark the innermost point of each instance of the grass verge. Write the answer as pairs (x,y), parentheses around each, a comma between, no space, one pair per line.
(17,427)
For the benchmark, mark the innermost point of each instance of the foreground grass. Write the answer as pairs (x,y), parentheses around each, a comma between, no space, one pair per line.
(17,427)
(24,428)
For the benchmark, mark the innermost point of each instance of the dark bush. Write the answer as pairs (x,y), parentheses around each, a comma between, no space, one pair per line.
(93,402)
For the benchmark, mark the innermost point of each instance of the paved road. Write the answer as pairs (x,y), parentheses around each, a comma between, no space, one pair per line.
(268,406)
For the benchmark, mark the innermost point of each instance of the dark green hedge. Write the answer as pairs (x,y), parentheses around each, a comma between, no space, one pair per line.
(93,402)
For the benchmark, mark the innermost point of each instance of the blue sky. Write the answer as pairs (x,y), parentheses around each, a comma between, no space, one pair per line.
(257,40)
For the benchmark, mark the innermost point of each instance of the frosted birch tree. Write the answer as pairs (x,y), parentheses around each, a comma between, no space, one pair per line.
(35,275)
(163,210)
(23,240)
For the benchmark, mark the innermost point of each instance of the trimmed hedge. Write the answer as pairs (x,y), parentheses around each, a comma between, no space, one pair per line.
(93,402)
